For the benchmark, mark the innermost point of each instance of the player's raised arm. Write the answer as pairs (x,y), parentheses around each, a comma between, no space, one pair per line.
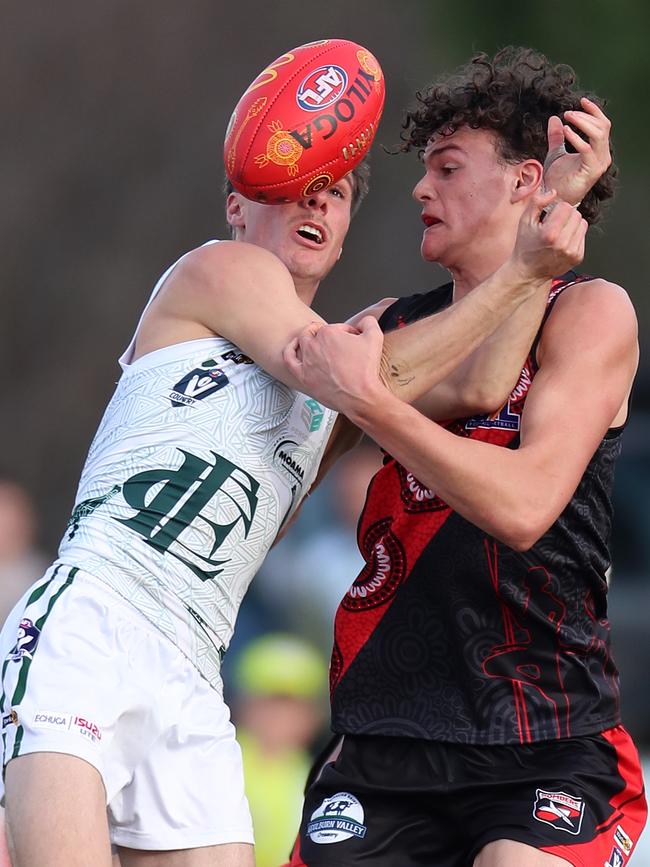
(419,356)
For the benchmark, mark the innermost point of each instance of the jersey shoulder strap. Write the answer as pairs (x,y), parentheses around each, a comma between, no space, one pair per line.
(414,307)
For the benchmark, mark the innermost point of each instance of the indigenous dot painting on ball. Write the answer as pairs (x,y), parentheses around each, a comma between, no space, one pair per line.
(305,121)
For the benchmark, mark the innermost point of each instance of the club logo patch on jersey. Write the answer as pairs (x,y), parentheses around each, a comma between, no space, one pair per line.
(338,818)
(623,840)
(26,641)
(616,859)
(198,384)
(560,810)
(384,570)
(312,414)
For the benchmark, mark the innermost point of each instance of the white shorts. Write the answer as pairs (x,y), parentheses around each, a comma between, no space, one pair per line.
(84,673)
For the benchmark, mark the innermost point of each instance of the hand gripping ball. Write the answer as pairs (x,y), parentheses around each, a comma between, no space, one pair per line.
(306,121)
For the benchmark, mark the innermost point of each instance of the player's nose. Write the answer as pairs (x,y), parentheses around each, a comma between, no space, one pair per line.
(423,190)
(315,202)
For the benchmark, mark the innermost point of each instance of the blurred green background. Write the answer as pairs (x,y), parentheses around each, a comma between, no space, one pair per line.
(113,119)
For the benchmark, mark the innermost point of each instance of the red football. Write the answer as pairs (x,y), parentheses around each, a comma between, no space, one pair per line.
(305,121)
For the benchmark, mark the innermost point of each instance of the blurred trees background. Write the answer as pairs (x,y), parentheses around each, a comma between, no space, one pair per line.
(110,167)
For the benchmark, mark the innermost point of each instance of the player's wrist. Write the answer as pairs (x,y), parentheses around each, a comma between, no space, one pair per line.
(367,410)
(521,279)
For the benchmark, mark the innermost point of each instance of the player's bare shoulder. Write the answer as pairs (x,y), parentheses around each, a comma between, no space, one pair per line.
(208,289)
(592,312)
(223,273)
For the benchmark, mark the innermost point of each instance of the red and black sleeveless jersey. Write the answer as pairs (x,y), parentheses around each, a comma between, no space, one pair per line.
(448,634)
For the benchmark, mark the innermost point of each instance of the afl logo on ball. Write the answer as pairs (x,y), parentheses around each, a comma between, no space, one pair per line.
(322,87)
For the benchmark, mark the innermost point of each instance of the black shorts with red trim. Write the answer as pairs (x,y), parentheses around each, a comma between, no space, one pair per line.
(400,801)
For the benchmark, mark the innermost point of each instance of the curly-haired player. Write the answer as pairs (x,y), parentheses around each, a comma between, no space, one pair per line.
(471,675)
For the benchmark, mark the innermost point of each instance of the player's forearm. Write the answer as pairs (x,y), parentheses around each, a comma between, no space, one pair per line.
(485,380)
(498,489)
(418,357)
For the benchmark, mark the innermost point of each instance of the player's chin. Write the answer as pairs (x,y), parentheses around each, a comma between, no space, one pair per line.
(429,251)
(312,263)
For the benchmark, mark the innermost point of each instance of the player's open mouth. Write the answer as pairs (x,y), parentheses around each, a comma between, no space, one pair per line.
(430,221)
(311,233)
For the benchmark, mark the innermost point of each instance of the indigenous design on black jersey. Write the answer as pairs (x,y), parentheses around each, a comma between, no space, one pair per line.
(448,634)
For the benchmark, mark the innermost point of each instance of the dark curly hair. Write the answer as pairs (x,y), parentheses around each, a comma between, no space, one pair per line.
(513,94)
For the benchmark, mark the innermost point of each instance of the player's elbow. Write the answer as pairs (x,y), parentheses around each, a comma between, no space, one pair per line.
(482,399)
(522,532)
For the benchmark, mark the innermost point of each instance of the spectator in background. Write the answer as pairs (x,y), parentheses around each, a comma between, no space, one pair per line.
(280,712)
(20,560)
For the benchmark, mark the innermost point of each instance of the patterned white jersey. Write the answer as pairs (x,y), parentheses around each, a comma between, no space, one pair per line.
(200,458)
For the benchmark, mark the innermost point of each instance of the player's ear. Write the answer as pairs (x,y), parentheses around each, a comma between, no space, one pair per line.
(527,179)
(236,211)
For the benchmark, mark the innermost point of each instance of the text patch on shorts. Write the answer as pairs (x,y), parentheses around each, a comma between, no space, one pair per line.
(560,810)
(338,818)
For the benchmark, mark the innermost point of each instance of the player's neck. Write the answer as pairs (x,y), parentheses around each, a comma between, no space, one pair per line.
(306,289)
(469,273)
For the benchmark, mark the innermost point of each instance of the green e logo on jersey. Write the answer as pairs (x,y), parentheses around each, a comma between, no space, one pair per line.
(181,496)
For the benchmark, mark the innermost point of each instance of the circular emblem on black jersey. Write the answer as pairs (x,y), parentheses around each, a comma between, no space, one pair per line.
(415,496)
(383,572)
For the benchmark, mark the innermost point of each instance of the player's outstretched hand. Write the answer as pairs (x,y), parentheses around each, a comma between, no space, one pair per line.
(574,174)
(550,238)
(338,364)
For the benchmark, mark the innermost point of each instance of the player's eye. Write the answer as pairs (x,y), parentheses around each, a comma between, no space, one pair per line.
(338,192)
(448,169)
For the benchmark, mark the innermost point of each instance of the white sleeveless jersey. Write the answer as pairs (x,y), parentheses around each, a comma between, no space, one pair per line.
(200,458)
